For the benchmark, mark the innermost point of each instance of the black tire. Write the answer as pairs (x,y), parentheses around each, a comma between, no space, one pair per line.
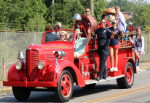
(127,81)
(59,89)
(90,86)
(120,83)
(21,93)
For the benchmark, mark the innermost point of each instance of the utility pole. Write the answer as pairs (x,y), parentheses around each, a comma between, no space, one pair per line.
(91,6)
(52,12)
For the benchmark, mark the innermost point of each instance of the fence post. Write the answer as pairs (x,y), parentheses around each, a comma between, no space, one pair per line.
(7,49)
(35,34)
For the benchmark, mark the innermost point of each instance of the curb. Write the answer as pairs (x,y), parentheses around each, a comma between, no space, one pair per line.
(145,68)
(6,90)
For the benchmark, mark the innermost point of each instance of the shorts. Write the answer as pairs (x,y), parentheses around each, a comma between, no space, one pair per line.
(137,49)
(115,46)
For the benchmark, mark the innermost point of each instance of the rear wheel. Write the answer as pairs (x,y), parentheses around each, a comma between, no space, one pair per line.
(64,89)
(127,81)
(21,93)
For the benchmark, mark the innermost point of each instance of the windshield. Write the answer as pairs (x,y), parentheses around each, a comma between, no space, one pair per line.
(59,35)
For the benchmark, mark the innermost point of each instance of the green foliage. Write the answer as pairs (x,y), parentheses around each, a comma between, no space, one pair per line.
(99,7)
(27,15)
(21,11)
(140,9)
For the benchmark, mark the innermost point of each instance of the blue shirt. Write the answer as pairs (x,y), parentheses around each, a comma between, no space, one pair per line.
(103,36)
(138,42)
(115,41)
(51,37)
(80,45)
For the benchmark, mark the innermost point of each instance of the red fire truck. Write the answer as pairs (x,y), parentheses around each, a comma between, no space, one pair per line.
(52,65)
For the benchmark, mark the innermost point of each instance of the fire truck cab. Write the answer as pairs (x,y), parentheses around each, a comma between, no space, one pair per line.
(52,65)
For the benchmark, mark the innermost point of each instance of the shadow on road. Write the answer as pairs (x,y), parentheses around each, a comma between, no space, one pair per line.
(50,96)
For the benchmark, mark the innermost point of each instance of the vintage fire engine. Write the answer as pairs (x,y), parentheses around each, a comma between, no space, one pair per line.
(52,65)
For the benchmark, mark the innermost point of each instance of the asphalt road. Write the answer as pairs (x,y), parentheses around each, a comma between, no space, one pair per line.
(103,92)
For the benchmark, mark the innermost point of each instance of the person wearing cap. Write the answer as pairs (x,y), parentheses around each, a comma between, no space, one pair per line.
(114,45)
(128,30)
(121,22)
(129,27)
(104,16)
(80,44)
(103,37)
(108,15)
(58,27)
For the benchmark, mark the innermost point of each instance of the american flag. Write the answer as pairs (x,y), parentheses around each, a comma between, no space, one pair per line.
(57,70)
(56,66)
(4,66)
(130,16)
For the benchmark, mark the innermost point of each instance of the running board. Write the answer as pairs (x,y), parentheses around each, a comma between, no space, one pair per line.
(92,81)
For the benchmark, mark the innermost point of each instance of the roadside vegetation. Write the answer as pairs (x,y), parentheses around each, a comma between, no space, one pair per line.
(27,15)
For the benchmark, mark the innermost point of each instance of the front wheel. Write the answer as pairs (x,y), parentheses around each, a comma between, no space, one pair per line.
(21,93)
(64,89)
(127,81)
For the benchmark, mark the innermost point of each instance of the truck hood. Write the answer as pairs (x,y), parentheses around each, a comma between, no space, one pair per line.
(57,45)
(46,51)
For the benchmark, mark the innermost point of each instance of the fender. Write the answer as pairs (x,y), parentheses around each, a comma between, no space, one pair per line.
(123,65)
(65,64)
(14,74)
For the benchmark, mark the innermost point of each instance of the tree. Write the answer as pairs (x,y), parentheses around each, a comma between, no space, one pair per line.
(99,7)
(21,11)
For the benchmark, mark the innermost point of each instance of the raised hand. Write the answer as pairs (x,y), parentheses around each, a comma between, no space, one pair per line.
(120,28)
(89,30)
(130,37)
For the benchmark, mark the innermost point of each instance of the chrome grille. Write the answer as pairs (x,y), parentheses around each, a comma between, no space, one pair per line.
(27,64)
(34,64)
(32,59)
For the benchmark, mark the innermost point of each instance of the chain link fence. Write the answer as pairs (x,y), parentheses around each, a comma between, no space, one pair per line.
(13,42)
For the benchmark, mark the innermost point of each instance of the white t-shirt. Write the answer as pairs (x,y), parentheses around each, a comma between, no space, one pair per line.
(58,33)
(122,22)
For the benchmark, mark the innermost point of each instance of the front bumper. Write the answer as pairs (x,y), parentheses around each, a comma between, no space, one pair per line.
(30,84)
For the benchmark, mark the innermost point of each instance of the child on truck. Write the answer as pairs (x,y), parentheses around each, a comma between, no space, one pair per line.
(138,42)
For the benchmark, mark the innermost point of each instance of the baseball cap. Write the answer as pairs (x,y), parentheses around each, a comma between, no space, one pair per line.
(130,23)
(113,21)
(59,24)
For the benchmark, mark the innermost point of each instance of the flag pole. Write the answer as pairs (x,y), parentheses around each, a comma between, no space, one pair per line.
(4,66)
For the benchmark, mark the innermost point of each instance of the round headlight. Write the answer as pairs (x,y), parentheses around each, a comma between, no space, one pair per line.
(18,65)
(41,65)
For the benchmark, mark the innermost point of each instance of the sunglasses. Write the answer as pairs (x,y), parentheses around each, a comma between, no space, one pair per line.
(102,22)
(86,11)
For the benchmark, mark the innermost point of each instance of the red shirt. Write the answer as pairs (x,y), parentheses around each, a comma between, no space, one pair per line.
(107,24)
(131,29)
